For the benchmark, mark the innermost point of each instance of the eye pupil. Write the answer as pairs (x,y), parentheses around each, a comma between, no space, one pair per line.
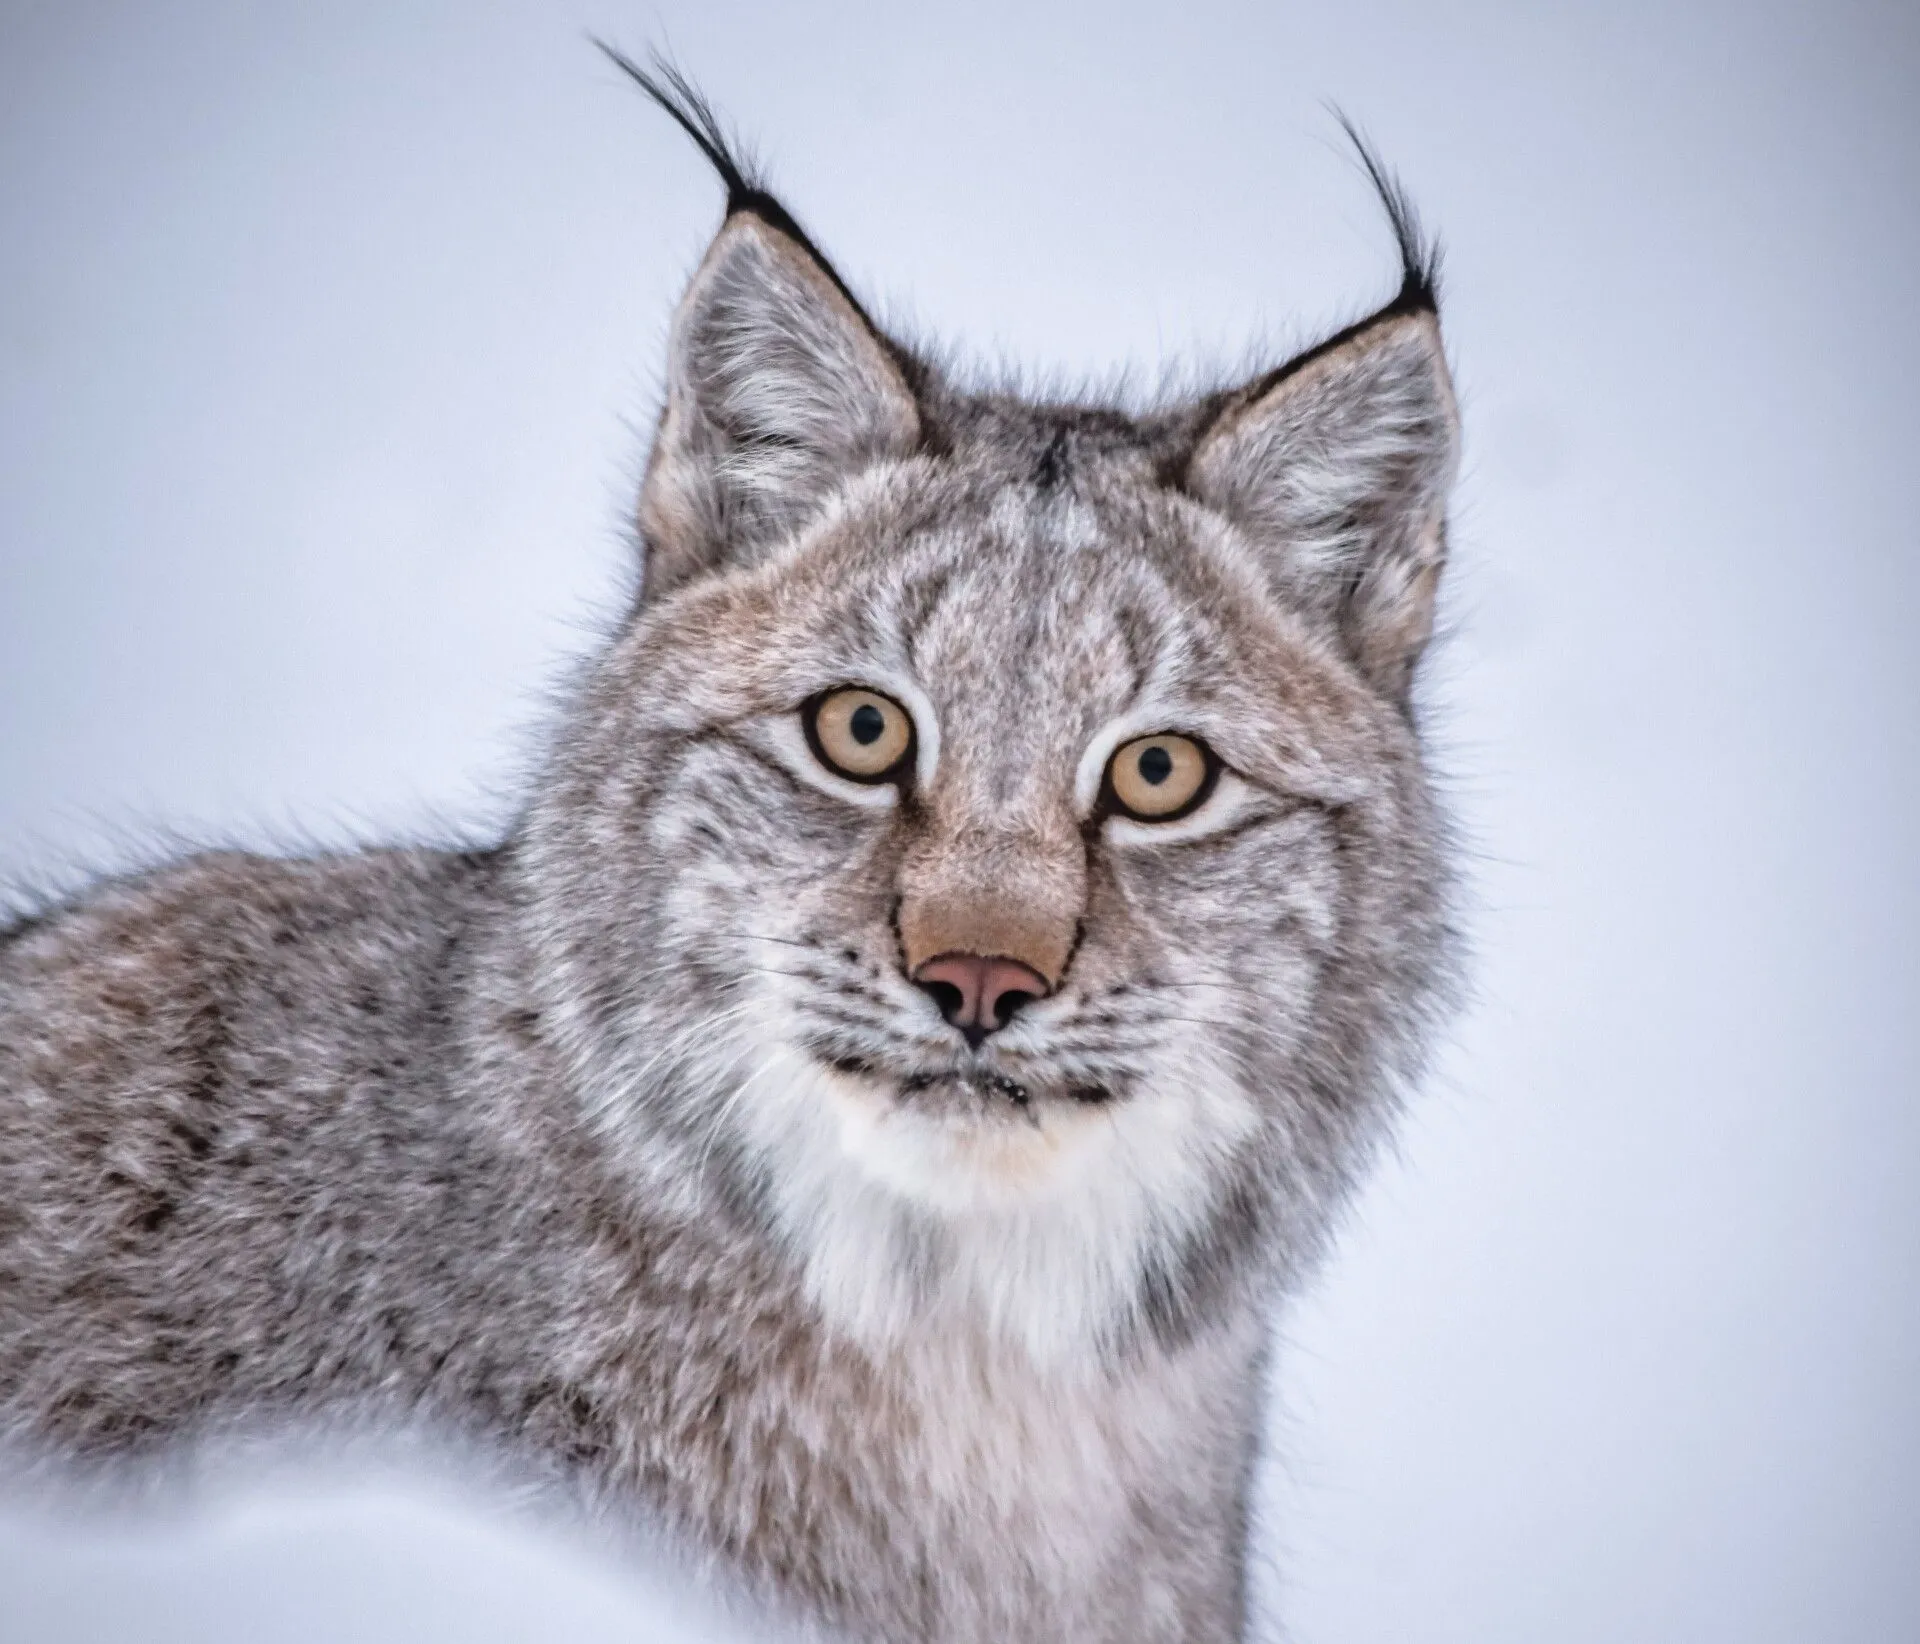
(1156,765)
(867,724)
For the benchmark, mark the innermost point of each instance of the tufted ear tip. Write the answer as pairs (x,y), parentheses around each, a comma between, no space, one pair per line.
(779,385)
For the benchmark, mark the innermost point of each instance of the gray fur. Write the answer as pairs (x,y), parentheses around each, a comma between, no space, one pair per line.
(627,1147)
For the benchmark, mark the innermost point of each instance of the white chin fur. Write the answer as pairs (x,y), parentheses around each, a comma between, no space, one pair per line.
(1036,1231)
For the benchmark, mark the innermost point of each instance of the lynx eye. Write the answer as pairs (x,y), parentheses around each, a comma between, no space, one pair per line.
(1159,778)
(859,734)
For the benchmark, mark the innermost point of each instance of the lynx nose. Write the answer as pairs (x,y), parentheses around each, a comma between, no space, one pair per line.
(979,995)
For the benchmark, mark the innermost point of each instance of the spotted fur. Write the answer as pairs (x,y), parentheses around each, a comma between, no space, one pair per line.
(629,1147)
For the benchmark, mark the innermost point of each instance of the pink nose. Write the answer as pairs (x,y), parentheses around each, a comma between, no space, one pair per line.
(979,995)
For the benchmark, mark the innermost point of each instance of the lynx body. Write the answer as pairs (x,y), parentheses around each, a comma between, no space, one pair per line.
(880,1177)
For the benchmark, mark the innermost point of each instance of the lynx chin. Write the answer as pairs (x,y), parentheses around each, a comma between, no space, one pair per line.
(968,932)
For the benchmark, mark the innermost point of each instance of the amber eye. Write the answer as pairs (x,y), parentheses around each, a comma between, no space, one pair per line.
(859,734)
(1158,778)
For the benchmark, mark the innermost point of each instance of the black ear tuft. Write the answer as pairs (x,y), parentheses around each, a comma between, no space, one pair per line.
(694,115)
(1419,257)
(746,187)
(1337,464)
(1419,291)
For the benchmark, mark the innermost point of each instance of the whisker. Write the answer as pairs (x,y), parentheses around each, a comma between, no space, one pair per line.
(1227,987)
(679,1044)
(784,941)
(717,1120)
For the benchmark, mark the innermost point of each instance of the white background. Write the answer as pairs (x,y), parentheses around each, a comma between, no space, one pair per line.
(328,341)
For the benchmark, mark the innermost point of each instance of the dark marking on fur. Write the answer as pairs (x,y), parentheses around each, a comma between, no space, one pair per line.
(1051,469)
(729,737)
(1178,1291)
(23,926)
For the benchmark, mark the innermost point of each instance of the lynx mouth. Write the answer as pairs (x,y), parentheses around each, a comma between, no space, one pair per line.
(988,1086)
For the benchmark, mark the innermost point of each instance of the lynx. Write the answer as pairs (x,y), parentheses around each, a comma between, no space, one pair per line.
(971,927)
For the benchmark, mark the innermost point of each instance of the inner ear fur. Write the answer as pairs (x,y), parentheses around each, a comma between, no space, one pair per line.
(778,390)
(1337,469)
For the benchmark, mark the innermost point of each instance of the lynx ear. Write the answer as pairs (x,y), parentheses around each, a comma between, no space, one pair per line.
(1337,466)
(778,389)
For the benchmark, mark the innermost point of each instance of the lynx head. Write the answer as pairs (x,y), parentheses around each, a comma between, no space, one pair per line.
(994,861)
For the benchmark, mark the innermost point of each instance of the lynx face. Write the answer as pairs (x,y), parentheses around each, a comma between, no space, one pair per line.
(996,859)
